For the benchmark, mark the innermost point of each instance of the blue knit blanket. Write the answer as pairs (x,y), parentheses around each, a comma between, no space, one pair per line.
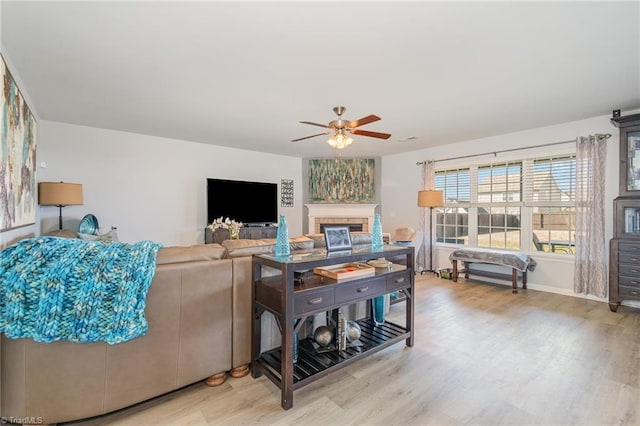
(81,291)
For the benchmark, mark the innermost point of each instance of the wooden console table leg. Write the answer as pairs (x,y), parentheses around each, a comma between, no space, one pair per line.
(455,270)
(514,280)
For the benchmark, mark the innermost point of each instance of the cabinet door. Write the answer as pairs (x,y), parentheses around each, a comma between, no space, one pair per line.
(630,161)
(627,217)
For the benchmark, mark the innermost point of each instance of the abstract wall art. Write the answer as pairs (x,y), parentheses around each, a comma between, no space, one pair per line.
(17,156)
(342,180)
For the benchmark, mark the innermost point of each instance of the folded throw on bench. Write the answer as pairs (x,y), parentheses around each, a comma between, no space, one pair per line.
(81,291)
(512,259)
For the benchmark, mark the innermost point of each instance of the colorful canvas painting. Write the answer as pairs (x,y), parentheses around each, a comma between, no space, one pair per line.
(342,180)
(17,157)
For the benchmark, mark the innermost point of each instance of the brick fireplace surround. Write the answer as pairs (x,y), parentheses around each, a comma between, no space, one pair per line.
(343,214)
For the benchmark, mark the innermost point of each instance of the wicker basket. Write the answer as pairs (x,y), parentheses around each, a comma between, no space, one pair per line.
(446,273)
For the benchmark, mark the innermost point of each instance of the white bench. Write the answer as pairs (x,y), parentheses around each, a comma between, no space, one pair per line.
(518,262)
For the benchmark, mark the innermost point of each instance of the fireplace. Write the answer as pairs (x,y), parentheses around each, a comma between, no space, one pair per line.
(353,227)
(355,216)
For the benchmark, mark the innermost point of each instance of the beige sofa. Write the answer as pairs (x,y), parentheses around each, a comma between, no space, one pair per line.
(199,328)
(189,312)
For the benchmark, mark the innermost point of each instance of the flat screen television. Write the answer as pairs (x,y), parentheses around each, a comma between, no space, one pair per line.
(252,203)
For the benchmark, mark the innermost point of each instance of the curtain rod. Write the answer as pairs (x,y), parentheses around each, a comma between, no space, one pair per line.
(607,135)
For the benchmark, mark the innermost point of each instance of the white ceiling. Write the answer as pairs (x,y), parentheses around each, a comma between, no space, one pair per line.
(243,74)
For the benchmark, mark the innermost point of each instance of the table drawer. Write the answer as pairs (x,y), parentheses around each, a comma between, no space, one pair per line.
(631,270)
(629,258)
(629,281)
(628,292)
(312,301)
(397,282)
(629,247)
(348,292)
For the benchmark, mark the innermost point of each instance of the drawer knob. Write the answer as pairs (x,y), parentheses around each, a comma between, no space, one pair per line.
(633,259)
(363,289)
(635,293)
(634,282)
(634,270)
(315,301)
(399,280)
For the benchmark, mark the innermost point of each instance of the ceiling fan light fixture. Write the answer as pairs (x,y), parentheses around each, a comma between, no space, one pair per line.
(340,140)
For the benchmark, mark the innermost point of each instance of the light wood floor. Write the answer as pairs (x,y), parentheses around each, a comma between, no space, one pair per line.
(482,356)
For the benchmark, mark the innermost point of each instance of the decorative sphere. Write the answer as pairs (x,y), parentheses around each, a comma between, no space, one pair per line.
(353,331)
(323,335)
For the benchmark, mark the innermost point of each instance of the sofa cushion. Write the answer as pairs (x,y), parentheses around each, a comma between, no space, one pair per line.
(357,239)
(177,254)
(244,247)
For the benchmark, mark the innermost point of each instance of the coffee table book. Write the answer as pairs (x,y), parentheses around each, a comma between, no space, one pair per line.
(345,271)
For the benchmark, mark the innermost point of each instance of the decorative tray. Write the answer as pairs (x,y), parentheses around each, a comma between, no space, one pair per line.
(379,263)
(345,271)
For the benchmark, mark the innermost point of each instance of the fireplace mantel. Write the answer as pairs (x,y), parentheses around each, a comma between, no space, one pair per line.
(337,213)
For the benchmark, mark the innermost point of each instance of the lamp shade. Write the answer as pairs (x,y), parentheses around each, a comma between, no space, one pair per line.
(59,194)
(430,198)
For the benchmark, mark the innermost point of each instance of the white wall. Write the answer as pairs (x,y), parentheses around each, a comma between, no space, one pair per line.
(401,179)
(150,187)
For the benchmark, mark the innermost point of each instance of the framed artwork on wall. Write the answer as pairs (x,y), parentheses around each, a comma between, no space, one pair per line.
(17,156)
(342,180)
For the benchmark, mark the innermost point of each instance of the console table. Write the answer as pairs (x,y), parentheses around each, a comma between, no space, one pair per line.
(291,304)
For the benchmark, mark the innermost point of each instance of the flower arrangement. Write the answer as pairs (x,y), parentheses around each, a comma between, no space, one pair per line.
(230,224)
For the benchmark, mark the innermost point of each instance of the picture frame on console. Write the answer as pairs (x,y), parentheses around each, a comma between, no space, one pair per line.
(337,238)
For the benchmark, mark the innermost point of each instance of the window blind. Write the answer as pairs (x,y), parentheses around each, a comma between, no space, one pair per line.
(551,182)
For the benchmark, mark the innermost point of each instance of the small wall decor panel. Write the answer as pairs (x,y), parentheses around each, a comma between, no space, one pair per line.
(286,193)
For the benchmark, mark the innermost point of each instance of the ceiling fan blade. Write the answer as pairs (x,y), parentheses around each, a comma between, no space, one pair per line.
(315,124)
(312,136)
(371,134)
(364,120)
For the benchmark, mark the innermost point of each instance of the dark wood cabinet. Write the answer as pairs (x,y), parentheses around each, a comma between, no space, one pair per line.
(624,248)
(624,271)
(293,303)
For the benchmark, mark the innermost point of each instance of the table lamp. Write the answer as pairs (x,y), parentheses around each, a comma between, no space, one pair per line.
(430,198)
(59,194)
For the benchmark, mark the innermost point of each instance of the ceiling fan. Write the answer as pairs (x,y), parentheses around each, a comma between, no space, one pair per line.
(340,127)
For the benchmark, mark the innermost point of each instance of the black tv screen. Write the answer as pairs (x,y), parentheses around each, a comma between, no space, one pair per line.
(252,203)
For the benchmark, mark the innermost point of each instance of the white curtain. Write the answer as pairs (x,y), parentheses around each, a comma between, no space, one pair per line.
(424,255)
(590,275)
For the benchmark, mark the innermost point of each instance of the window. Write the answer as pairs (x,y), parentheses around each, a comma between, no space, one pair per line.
(551,196)
(512,205)
(499,190)
(452,221)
